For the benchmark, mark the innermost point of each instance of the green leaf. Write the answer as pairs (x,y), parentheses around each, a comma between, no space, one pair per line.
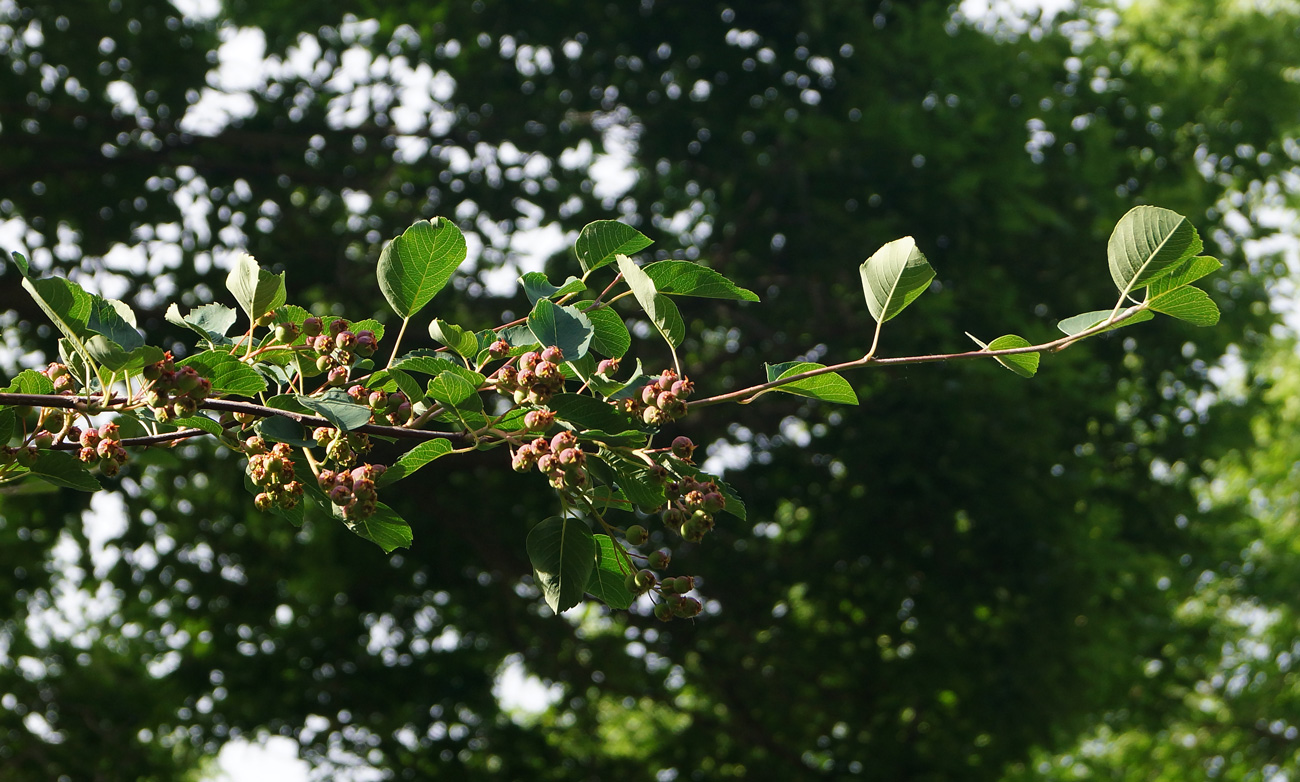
(198,422)
(8,421)
(428,362)
(229,375)
(1085,321)
(894,277)
(1185,273)
(284,430)
(384,528)
(586,412)
(1189,304)
(830,387)
(407,385)
(413,267)
(63,469)
(29,381)
(114,320)
(1023,364)
(608,582)
(611,337)
(211,321)
(64,303)
(562,326)
(537,287)
(414,459)
(338,408)
(637,482)
(662,311)
(600,242)
(454,391)
(458,339)
(684,278)
(563,553)
(256,290)
(1147,244)
(20,261)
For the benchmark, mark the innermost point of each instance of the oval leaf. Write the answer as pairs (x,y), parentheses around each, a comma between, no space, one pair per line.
(664,315)
(1023,364)
(608,582)
(893,277)
(257,290)
(61,468)
(1148,243)
(383,528)
(414,459)
(1085,321)
(338,408)
(413,267)
(563,553)
(562,326)
(229,375)
(1189,304)
(684,278)
(600,242)
(611,337)
(829,387)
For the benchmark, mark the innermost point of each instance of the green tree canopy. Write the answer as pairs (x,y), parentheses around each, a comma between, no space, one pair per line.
(965,568)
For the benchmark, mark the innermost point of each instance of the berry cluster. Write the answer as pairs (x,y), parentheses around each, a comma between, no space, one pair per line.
(64,383)
(353,490)
(394,408)
(272,472)
(101,446)
(691,505)
(672,592)
(662,399)
(538,378)
(175,392)
(561,459)
(341,448)
(335,346)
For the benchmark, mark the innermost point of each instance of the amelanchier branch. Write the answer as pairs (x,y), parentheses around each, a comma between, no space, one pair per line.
(301,398)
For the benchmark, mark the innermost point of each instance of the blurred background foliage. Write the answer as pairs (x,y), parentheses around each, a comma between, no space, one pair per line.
(969,576)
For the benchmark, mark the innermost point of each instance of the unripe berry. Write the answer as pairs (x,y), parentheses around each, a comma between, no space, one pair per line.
(636,535)
(607,367)
(105,449)
(202,390)
(337,326)
(43,439)
(338,376)
(663,612)
(683,584)
(378,400)
(186,379)
(312,326)
(714,502)
(27,455)
(366,344)
(88,455)
(683,448)
(403,413)
(548,463)
(265,319)
(185,406)
(327,479)
(527,378)
(324,344)
(340,495)
(323,363)
(499,349)
(654,416)
(254,445)
(667,379)
(553,354)
(688,607)
(694,500)
(572,458)
(548,372)
(286,332)
(660,559)
(683,388)
(563,440)
(64,385)
(152,372)
(245,418)
(292,495)
(645,579)
(322,434)
(649,394)
(528,360)
(357,393)
(539,420)
(395,400)
(263,501)
(674,517)
(346,340)
(507,380)
(110,431)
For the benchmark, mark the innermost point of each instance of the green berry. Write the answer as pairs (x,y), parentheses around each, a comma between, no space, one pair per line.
(636,535)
